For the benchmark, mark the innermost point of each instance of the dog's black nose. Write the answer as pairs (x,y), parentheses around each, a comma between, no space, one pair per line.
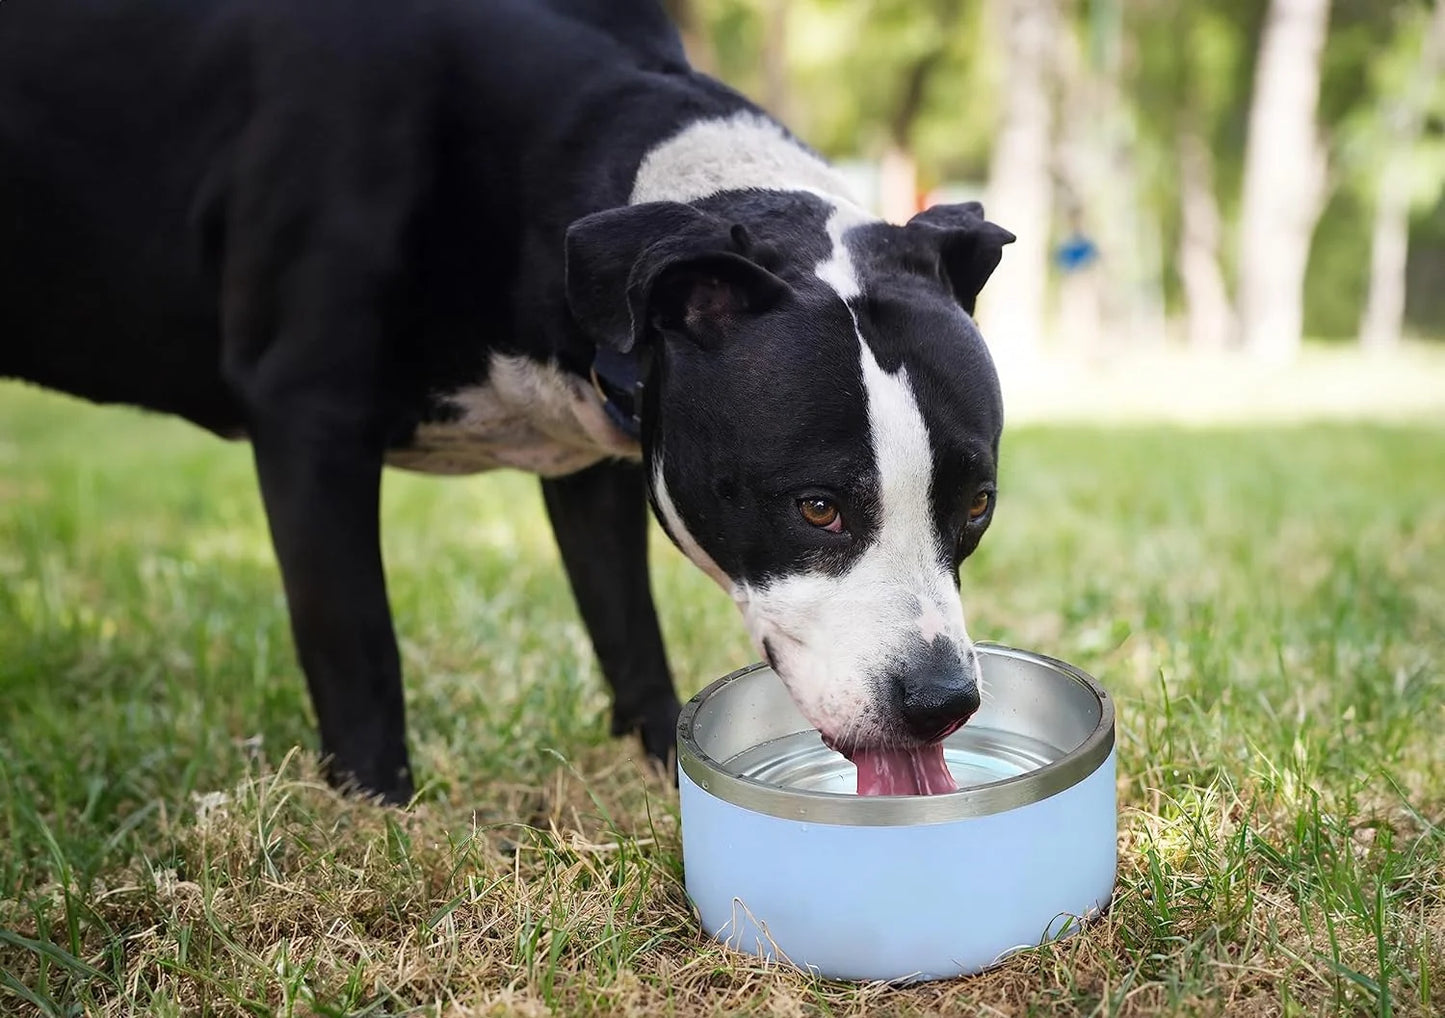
(938,694)
(932,710)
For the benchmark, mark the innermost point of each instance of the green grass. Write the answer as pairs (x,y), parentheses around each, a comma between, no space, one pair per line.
(1268,607)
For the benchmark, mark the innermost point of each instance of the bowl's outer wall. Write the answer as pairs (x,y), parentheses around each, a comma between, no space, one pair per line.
(900,903)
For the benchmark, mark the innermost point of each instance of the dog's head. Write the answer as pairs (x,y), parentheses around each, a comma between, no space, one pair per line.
(820,429)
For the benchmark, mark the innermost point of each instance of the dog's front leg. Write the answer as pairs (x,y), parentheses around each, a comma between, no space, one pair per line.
(316,274)
(321,486)
(306,342)
(599,517)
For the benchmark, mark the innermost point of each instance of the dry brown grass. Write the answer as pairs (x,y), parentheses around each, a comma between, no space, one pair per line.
(283,897)
(1264,605)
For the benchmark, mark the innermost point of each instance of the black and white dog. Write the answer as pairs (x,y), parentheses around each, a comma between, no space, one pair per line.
(455,235)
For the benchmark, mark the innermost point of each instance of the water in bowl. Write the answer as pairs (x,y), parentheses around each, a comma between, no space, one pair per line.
(976,755)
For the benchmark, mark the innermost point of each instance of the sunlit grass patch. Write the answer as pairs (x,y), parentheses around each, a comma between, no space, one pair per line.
(1265,605)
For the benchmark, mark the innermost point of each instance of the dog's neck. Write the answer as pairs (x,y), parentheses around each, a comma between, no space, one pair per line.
(745,151)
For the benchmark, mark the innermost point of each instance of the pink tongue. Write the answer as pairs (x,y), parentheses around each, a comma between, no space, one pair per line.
(919,771)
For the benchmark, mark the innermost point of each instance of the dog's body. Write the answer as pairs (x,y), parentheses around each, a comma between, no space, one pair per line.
(453,236)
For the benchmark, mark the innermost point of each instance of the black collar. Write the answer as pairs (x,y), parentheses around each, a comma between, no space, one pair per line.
(619,379)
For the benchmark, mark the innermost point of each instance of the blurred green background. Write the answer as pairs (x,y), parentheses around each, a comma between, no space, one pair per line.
(1161,160)
(1229,213)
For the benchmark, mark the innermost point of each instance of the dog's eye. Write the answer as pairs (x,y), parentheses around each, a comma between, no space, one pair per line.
(979,505)
(821,513)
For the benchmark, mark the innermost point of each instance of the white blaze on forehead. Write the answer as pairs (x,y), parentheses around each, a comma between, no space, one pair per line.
(740,152)
(905,467)
(904,457)
(834,639)
(837,269)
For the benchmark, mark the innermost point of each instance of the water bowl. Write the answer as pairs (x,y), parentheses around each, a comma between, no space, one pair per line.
(783,860)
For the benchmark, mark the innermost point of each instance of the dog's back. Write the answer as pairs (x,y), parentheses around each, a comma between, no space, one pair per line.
(100,130)
(145,143)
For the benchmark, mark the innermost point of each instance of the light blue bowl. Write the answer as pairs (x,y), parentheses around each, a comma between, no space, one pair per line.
(783,861)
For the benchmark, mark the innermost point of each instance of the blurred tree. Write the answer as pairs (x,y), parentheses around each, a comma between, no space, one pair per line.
(775,59)
(730,35)
(696,37)
(1284,179)
(864,78)
(1209,315)
(1399,184)
(1188,77)
(1178,141)
(1372,48)
(1020,189)
(1115,300)
(898,183)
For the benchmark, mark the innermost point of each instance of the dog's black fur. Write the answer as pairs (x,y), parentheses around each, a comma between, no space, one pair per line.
(304,223)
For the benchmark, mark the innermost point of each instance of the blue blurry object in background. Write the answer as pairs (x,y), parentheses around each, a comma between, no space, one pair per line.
(1076,253)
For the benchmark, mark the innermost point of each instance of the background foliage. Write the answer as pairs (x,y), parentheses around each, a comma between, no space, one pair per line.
(856,76)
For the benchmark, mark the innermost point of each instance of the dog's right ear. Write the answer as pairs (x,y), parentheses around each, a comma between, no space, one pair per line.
(969,246)
(661,265)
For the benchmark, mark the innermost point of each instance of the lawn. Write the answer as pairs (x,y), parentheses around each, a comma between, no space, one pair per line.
(1267,606)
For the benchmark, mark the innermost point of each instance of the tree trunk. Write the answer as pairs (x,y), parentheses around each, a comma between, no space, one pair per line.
(1384,317)
(1206,298)
(897,184)
(898,170)
(1082,152)
(694,35)
(775,60)
(1114,303)
(1020,192)
(1284,179)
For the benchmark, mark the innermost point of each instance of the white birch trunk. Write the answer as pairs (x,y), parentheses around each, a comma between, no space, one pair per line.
(1020,192)
(1384,318)
(897,185)
(1082,153)
(1115,304)
(694,40)
(1284,179)
(775,61)
(1383,321)
(1206,298)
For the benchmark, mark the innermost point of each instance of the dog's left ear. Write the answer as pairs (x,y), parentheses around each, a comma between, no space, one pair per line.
(662,264)
(969,246)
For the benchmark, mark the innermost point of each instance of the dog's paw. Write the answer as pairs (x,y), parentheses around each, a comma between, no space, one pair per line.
(388,786)
(656,725)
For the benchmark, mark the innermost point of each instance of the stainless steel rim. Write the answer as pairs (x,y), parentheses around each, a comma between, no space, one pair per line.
(899,810)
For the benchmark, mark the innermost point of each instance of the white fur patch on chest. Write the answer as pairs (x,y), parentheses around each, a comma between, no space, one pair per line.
(528,415)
